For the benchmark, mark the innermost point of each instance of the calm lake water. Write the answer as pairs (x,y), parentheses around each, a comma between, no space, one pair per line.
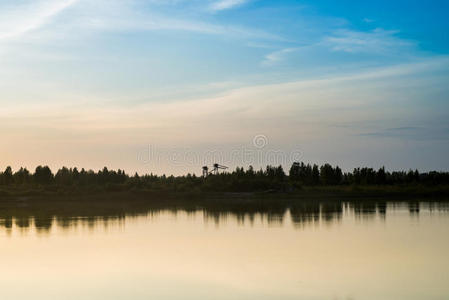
(308,251)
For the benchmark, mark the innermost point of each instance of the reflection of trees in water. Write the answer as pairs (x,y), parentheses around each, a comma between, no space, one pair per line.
(309,213)
(43,223)
(305,213)
(6,221)
(272,215)
(22,222)
(413,208)
(382,209)
(368,210)
(42,215)
(435,206)
(331,211)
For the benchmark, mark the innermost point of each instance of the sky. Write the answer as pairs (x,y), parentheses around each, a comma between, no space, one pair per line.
(166,86)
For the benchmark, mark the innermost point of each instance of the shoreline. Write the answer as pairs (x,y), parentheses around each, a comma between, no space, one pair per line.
(303,193)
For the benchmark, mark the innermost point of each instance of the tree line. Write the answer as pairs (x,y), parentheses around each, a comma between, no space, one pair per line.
(239,180)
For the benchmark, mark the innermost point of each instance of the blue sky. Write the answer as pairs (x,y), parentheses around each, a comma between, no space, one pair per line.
(94,83)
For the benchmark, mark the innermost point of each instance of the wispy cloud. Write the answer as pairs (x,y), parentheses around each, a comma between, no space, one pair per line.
(411,133)
(302,96)
(27,17)
(277,56)
(154,22)
(376,41)
(226,4)
(120,16)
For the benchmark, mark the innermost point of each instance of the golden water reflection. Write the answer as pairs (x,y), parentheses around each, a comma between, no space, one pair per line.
(268,249)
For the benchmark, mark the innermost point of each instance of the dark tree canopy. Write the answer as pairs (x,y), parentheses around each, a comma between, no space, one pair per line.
(239,180)
(43,175)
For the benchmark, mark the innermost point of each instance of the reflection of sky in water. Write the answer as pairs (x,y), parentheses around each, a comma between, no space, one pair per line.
(311,251)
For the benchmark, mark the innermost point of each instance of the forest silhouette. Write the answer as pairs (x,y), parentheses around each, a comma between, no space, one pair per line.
(271,179)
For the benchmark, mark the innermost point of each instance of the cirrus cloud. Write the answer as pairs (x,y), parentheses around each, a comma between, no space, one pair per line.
(226,4)
(18,20)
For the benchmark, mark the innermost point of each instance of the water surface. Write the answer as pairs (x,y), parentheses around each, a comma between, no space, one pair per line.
(311,250)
